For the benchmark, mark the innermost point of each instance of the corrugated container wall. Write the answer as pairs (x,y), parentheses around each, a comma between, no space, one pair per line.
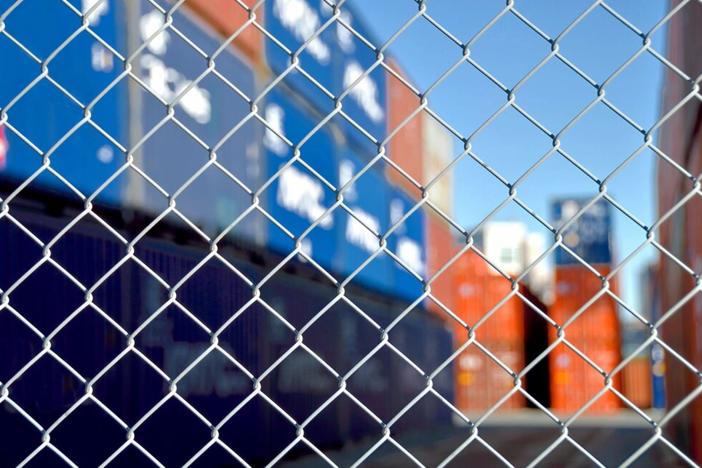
(135,114)
(405,148)
(595,333)
(172,341)
(693,309)
(441,247)
(679,138)
(480,380)
(335,59)
(84,68)
(171,156)
(677,135)
(296,198)
(422,147)
(637,383)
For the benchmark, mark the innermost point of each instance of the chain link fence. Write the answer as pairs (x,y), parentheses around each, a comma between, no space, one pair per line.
(114,356)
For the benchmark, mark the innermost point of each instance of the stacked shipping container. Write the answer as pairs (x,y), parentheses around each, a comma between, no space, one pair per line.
(209,132)
(204,118)
(195,136)
(172,340)
(441,248)
(406,127)
(84,68)
(421,148)
(229,18)
(595,333)
(480,380)
(353,232)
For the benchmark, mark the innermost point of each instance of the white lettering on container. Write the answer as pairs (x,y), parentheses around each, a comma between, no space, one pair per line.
(167,83)
(303,195)
(302,374)
(346,171)
(410,253)
(358,234)
(274,118)
(100,10)
(148,25)
(396,213)
(365,92)
(298,17)
(101,58)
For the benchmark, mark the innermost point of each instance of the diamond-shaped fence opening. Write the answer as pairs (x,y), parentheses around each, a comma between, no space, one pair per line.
(345,232)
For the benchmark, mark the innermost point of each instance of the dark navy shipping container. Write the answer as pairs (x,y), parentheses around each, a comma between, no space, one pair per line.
(301,193)
(589,236)
(86,344)
(209,121)
(173,335)
(47,111)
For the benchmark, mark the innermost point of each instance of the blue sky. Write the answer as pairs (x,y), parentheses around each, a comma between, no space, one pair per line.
(599,141)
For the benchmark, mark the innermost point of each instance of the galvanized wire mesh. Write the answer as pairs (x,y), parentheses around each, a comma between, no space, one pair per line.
(511,195)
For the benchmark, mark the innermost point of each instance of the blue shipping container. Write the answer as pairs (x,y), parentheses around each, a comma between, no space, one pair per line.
(368,199)
(336,58)
(298,196)
(207,118)
(407,242)
(292,22)
(366,102)
(589,236)
(84,67)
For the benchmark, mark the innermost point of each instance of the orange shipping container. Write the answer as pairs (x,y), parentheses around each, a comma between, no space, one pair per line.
(441,247)
(481,381)
(574,381)
(636,382)
(595,333)
(471,388)
(226,17)
(405,146)
(480,293)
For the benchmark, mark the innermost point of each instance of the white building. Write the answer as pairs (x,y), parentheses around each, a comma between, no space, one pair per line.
(512,248)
